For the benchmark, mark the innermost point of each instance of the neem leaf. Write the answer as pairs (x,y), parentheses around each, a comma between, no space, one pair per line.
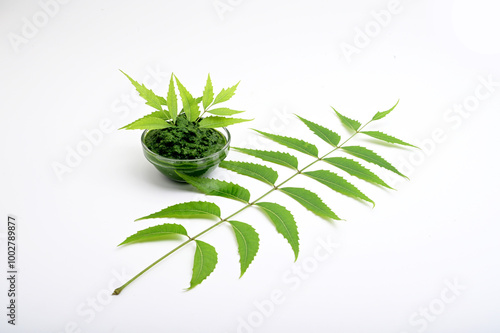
(155,120)
(324,133)
(172,99)
(147,94)
(310,201)
(248,243)
(205,260)
(208,93)
(217,187)
(371,157)
(216,121)
(254,170)
(387,138)
(337,183)
(225,94)
(299,145)
(349,123)
(284,223)
(156,232)
(277,157)
(187,210)
(355,169)
(382,114)
(224,112)
(190,106)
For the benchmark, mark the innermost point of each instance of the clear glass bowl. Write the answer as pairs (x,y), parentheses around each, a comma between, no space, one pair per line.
(191,167)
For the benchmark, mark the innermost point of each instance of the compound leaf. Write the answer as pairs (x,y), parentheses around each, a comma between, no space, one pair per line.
(371,157)
(348,122)
(225,94)
(205,260)
(217,121)
(248,243)
(190,209)
(284,223)
(337,183)
(217,187)
(355,169)
(277,157)
(324,133)
(254,170)
(156,232)
(382,114)
(310,201)
(299,145)
(387,138)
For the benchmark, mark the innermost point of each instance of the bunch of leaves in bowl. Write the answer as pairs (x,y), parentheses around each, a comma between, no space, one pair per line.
(184,141)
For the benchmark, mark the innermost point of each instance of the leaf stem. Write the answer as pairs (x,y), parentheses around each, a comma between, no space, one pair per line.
(249,204)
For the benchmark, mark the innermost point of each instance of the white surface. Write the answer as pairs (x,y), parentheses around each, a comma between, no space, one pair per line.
(389,263)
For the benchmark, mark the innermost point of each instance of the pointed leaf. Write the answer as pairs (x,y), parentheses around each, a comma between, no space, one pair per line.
(337,183)
(190,209)
(382,114)
(208,93)
(216,121)
(218,188)
(224,112)
(190,106)
(257,171)
(147,94)
(299,145)
(386,138)
(155,120)
(172,99)
(284,223)
(371,157)
(327,135)
(205,260)
(355,169)
(310,201)
(225,94)
(349,123)
(277,157)
(248,243)
(156,232)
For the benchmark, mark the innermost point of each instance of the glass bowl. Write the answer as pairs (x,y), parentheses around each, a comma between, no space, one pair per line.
(191,167)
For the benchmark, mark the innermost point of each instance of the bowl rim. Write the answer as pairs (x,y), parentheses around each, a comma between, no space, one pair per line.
(174,160)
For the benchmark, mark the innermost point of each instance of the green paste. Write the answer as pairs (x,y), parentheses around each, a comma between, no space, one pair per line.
(185,141)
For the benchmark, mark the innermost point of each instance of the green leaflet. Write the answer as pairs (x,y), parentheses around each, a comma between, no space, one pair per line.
(248,243)
(218,188)
(225,94)
(187,210)
(327,135)
(349,123)
(224,112)
(155,233)
(151,98)
(216,121)
(257,171)
(277,157)
(311,201)
(337,183)
(371,157)
(205,259)
(172,99)
(299,145)
(355,169)
(208,93)
(284,222)
(382,114)
(386,138)
(190,106)
(155,120)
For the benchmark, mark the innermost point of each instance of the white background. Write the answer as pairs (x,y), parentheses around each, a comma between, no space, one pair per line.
(391,267)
